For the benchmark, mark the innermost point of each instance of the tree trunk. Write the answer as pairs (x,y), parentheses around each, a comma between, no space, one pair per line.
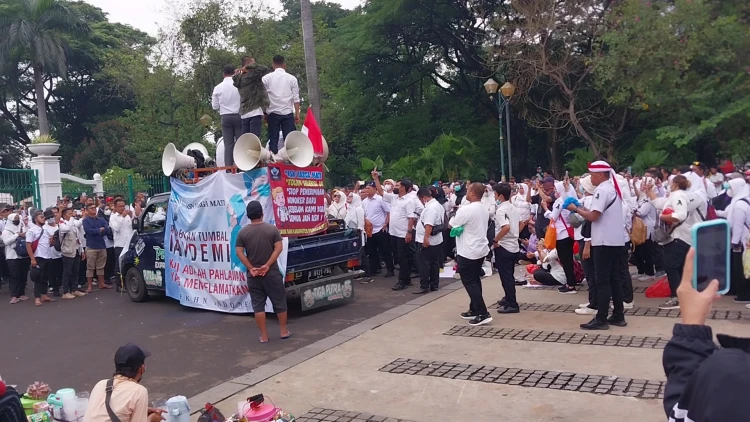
(40,104)
(555,166)
(311,63)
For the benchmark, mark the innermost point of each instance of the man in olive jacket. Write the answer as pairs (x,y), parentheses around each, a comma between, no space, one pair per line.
(253,96)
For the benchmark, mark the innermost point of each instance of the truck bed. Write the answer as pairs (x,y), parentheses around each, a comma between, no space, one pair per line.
(306,253)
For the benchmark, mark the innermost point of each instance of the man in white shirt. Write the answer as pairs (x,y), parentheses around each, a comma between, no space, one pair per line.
(72,251)
(405,208)
(607,244)
(283,96)
(226,100)
(472,248)
(377,213)
(429,238)
(53,268)
(121,223)
(506,248)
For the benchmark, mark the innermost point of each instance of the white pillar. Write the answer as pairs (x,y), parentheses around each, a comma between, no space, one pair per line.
(50,184)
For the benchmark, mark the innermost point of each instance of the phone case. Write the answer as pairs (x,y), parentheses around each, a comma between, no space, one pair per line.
(694,232)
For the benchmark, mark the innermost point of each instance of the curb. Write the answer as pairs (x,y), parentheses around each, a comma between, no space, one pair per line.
(229,388)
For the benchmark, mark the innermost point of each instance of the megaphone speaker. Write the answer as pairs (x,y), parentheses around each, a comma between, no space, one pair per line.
(298,149)
(249,152)
(196,146)
(172,160)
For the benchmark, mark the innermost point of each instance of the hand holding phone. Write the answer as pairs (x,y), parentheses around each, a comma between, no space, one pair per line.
(694,305)
(712,255)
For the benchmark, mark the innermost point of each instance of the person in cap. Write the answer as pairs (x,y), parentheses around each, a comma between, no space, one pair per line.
(258,247)
(123,396)
(607,245)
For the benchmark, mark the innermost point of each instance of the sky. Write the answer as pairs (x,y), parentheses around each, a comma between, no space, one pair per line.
(149,15)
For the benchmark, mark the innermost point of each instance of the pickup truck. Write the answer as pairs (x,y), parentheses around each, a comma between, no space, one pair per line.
(319,267)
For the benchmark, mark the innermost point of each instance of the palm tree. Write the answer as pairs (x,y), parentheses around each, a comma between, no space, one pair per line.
(311,63)
(34,34)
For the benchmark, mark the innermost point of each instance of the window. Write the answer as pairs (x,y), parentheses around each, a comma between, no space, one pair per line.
(155,217)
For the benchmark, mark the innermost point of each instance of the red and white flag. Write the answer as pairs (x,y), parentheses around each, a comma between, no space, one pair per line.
(312,130)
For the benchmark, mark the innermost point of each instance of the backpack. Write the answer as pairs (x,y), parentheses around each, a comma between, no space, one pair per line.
(58,240)
(638,232)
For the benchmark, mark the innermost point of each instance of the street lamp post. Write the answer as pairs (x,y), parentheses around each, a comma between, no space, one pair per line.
(506,92)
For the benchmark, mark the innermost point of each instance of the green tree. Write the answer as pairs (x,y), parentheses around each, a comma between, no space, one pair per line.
(35,33)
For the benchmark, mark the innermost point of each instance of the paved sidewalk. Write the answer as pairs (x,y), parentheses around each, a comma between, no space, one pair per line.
(421,362)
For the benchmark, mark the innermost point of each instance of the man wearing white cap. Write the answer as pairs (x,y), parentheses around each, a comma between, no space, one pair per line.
(607,244)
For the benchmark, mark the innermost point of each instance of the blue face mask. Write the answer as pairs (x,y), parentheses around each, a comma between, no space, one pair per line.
(457,188)
(581,189)
(725,185)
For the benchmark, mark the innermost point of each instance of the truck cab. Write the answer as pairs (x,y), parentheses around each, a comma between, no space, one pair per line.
(320,268)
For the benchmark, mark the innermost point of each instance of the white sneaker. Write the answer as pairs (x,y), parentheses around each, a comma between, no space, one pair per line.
(584,305)
(627,305)
(747,306)
(586,311)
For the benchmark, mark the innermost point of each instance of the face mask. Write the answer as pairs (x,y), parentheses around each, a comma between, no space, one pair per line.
(16,222)
(457,188)
(395,191)
(107,212)
(498,202)
(387,188)
(725,185)
(70,205)
(51,220)
(581,189)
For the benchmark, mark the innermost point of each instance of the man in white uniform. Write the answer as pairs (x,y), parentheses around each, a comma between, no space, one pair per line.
(429,239)
(607,244)
(506,247)
(472,249)
(377,213)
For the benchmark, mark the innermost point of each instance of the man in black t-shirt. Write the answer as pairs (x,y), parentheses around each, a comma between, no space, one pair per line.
(545,192)
(259,245)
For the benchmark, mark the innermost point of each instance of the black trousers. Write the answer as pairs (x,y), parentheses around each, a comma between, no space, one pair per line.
(449,243)
(4,270)
(118,251)
(545,277)
(70,273)
(405,257)
(624,271)
(379,246)
(589,272)
(471,276)
(565,254)
(39,277)
(276,123)
(674,261)
(658,257)
(54,271)
(18,270)
(81,280)
(231,130)
(608,283)
(739,284)
(429,261)
(505,262)
(644,258)
(252,125)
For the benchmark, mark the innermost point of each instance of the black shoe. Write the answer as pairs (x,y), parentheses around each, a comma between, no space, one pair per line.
(508,310)
(399,286)
(617,322)
(389,274)
(366,280)
(502,303)
(434,289)
(521,282)
(567,290)
(421,291)
(595,324)
(468,315)
(480,320)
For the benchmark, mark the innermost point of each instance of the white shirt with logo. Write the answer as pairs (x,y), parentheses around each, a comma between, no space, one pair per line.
(434,215)
(605,230)
(507,215)
(402,209)
(473,217)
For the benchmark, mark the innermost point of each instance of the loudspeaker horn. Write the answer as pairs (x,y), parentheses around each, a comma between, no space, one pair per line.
(172,160)
(197,146)
(249,152)
(297,150)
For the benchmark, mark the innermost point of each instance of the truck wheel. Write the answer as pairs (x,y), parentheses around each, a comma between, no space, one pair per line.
(135,285)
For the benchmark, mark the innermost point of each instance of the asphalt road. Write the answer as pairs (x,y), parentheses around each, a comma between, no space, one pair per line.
(71,343)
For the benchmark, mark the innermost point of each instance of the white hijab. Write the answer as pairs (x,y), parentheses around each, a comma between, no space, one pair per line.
(338,209)
(562,193)
(12,227)
(738,190)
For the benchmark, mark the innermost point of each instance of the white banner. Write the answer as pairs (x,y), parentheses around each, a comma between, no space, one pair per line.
(203,220)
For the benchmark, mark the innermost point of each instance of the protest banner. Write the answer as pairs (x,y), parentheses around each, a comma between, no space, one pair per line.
(298,198)
(203,220)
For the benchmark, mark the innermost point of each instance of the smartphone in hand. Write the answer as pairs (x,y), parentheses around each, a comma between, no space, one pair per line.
(711,240)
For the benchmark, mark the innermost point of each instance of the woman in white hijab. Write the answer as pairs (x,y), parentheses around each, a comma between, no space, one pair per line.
(18,267)
(338,207)
(565,242)
(522,206)
(644,254)
(738,216)
(355,215)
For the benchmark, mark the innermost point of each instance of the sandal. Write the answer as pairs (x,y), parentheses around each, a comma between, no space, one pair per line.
(260,339)
(288,334)
(47,299)
(37,302)
(105,287)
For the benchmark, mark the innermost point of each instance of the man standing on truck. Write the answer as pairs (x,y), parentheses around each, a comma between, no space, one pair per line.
(258,246)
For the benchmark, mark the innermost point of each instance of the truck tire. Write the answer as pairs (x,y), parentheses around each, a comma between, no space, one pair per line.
(135,285)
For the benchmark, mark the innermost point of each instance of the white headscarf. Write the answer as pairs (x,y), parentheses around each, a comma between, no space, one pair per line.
(627,195)
(338,209)
(562,193)
(356,200)
(587,185)
(12,227)
(738,190)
